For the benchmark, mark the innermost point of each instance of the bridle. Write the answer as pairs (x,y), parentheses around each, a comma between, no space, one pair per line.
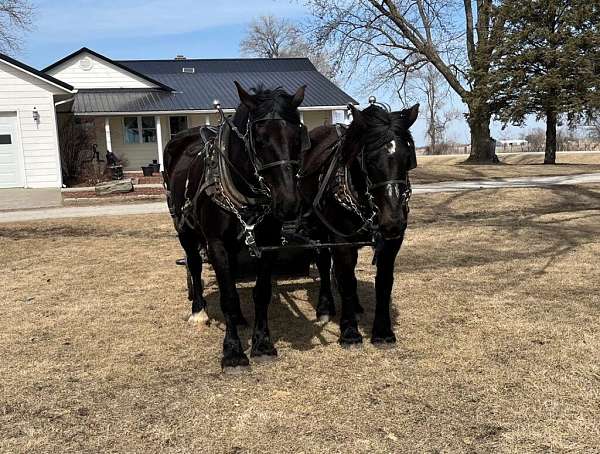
(371,186)
(249,141)
(344,196)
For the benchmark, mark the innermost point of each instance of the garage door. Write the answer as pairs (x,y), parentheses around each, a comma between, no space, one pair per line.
(10,169)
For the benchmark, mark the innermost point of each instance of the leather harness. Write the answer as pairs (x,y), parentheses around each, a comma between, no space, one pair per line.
(337,178)
(217,182)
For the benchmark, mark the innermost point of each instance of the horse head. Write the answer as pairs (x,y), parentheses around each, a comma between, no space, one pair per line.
(382,141)
(276,140)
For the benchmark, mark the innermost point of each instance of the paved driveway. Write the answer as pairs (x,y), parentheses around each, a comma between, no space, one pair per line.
(27,199)
(161,207)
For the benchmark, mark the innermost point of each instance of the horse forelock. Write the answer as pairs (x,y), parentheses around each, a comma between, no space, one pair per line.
(378,127)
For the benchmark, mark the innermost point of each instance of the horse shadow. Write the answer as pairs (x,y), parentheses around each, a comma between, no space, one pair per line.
(291,320)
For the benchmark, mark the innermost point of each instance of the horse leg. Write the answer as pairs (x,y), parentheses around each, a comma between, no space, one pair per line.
(262,346)
(239,318)
(384,281)
(194,278)
(344,259)
(233,353)
(325,305)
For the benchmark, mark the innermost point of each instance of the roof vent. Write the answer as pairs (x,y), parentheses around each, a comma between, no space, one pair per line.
(189,70)
(86,63)
(180,57)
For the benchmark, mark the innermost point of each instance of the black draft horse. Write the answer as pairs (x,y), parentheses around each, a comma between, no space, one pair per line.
(356,183)
(261,146)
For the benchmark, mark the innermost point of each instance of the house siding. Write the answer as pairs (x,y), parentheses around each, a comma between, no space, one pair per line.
(101,75)
(20,93)
(314,118)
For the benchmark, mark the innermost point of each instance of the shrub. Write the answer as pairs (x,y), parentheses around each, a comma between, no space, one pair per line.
(76,149)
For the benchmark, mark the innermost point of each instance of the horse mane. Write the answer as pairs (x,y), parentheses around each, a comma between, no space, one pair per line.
(377,126)
(275,100)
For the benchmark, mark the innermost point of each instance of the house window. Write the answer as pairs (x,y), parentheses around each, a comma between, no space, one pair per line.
(177,124)
(5,139)
(139,130)
(338,116)
(131,130)
(149,129)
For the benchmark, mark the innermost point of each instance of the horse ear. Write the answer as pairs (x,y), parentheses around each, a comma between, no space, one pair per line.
(357,117)
(299,96)
(246,98)
(411,115)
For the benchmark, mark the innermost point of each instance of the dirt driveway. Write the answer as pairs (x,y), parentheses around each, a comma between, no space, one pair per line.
(497,313)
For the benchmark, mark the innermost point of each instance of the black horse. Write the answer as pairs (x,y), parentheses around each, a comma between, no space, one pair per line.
(231,184)
(355,184)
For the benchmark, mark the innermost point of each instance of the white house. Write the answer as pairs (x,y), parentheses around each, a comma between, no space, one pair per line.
(134,106)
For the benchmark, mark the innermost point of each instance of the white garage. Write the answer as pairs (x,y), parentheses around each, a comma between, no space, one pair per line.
(29,153)
(10,158)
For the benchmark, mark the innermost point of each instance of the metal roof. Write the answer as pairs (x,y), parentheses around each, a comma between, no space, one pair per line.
(211,79)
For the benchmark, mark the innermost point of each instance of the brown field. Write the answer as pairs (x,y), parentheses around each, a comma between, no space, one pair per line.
(433,169)
(497,312)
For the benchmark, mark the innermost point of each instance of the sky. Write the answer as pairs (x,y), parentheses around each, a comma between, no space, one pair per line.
(153,29)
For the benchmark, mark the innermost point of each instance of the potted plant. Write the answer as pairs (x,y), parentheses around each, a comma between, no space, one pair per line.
(148,170)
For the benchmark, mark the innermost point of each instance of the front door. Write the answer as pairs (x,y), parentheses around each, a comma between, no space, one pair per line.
(10,168)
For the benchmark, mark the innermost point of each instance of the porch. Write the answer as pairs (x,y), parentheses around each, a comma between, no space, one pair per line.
(140,139)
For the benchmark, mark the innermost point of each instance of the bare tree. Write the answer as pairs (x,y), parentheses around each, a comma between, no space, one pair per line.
(392,38)
(272,37)
(428,84)
(268,37)
(15,18)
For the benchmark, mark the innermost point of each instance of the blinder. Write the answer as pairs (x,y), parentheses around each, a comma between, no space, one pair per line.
(305,143)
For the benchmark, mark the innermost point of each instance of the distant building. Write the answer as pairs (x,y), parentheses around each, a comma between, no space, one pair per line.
(512,142)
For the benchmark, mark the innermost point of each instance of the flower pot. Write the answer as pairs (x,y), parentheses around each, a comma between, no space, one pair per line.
(156,167)
(148,170)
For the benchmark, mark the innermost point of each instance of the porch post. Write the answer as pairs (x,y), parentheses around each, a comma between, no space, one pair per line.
(301,117)
(159,141)
(107,132)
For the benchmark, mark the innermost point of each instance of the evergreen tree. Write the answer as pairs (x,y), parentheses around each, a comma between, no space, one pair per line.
(548,63)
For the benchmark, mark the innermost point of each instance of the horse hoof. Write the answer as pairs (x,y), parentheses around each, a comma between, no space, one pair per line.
(199,318)
(351,338)
(234,364)
(264,357)
(384,341)
(351,345)
(237,370)
(263,350)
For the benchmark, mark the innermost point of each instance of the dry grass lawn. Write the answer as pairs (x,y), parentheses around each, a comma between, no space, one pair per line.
(433,169)
(497,312)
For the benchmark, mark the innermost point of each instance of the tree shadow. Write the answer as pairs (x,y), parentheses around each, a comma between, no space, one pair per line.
(289,322)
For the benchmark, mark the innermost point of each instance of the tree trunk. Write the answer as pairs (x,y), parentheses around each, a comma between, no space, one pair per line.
(550,153)
(483,147)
